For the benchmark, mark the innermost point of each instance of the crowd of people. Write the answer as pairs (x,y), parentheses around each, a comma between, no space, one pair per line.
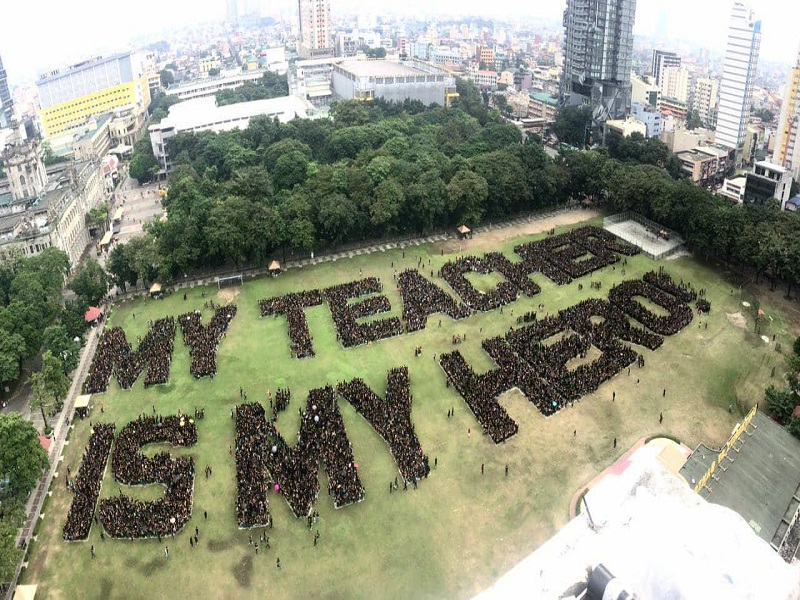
(562,258)
(129,518)
(293,306)
(292,471)
(252,486)
(537,358)
(203,341)
(454,273)
(345,315)
(115,355)
(391,418)
(661,279)
(703,306)
(480,392)
(604,324)
(421,299)
(86,486)
(624,295)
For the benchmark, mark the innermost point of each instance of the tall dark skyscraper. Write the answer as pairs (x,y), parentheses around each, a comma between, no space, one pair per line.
(598,44)
(6,104)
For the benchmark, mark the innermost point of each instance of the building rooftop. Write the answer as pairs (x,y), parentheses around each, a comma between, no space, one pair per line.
(544,97)
(760,482)
(649,529)
(204,111)
(770,166)
(380,68)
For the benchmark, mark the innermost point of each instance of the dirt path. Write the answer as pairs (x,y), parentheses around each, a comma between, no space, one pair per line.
(488,240)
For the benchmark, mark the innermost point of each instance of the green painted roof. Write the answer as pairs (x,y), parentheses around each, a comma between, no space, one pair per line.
(543,97)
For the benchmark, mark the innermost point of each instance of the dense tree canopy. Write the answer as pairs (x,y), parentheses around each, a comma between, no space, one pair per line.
(22,457)
(90,282)
(271,85)
(381,168)
(30,289)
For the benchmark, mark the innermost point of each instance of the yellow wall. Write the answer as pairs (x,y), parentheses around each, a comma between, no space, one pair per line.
(780,153)
(68,115)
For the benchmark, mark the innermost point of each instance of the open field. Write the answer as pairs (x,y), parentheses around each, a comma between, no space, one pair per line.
(459,531)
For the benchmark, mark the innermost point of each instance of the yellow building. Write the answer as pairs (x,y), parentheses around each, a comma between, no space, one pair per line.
(485,54)
(787,148)
(95,87)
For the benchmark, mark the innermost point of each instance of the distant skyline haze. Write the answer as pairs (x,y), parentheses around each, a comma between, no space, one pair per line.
(40,35)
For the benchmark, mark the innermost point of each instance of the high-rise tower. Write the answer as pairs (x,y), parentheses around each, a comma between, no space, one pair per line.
(315,28)
(6,104)
(598,44)
(787,147)
(739,73)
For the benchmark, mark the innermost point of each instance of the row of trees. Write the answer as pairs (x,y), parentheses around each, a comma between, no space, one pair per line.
(371,171)
(31,316)
(271,85)
(22,460)
(781,403)
(383,169)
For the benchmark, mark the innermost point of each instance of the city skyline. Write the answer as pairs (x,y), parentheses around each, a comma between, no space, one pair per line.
(70,32)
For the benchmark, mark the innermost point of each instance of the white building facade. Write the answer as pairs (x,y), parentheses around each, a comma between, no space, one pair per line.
(739,71)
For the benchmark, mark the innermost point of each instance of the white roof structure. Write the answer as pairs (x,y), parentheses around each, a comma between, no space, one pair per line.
(660,539)
(203,114)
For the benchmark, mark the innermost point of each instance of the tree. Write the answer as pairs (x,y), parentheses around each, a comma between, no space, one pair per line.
(167,78)
(57,340)
(466,195)
(22,457)
(72,317)
(572,125)
(764,114)
(121,267)
(97,218)
(143,164)
(91,282)
(49,385)
(290,170)
(12,351)
(780,403)
(227,229)
(693,120)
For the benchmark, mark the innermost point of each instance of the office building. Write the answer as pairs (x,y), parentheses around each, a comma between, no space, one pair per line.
(393,81)
(626,127)
(209,86)
(650,116)
(6,104)
(787,148)
(739,71)
(316,40)
(704,101)
(705,165)
(766,182)
(543,106)
(598,45)
(485,55)
(675,83)
(311,80)
(644,91)
(661,60)
(203,114)
(69,97)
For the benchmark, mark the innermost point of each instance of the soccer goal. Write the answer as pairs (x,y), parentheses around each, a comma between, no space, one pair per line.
(230,281)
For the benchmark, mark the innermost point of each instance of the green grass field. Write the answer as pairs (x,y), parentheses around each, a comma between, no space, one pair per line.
(459,531)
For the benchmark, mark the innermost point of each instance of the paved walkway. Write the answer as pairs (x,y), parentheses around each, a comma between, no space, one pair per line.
(33,508)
